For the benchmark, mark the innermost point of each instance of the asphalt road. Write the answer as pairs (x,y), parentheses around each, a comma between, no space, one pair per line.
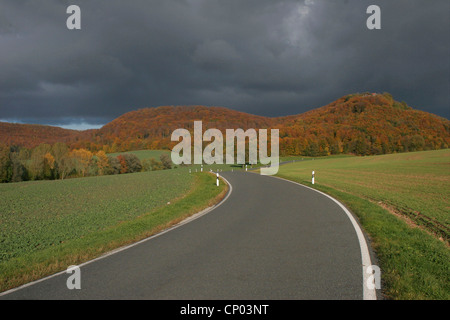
(270,239)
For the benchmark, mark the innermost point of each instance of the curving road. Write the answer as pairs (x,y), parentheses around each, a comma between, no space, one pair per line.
(271,239)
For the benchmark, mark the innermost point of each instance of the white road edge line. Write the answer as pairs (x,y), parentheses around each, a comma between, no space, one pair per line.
(185,221)
(368,294)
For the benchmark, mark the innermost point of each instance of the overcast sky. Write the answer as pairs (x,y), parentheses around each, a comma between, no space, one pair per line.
(265,57)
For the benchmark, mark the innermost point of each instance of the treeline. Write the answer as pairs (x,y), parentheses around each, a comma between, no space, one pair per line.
(361,145)
(57,161)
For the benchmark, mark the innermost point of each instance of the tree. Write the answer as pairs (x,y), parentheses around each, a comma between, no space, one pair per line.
(133,162)
(5,164)
(417,143)
(37,165)
(146,165)
(49,166)
(156,165)
(123,164)
(166,161)
(359,146)
(114,165)
(60,152)
(82,159)
(18,170)
(65,167)
(313,149)
(102,162)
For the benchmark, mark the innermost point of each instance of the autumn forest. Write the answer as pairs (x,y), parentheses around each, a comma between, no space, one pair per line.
(359,124)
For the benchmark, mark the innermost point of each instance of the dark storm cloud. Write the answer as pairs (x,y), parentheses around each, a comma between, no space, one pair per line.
(263,57)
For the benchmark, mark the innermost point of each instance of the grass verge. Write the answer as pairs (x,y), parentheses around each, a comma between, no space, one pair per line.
(38,264)
(414,264)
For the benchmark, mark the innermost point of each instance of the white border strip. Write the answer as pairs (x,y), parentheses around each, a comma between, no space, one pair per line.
(183,222)
(368,294)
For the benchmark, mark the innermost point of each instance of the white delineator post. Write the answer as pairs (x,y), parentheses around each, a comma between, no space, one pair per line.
(201,170)
(313,177)
(217,179)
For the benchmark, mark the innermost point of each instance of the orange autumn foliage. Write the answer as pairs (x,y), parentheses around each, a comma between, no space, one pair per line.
(361,124)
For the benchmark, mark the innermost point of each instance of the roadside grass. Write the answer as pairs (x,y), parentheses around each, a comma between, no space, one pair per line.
(90,217)
(411,238)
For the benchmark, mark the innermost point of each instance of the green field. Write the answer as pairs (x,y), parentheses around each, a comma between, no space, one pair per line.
(402,201)
(47,225)
(416,183)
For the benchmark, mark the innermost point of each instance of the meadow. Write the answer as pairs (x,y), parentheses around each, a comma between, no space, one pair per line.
(416,184)
(46,226)
(402,202)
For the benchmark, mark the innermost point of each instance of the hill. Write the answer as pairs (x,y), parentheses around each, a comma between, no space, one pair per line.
(361,124)
(31,135)
(151,128)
